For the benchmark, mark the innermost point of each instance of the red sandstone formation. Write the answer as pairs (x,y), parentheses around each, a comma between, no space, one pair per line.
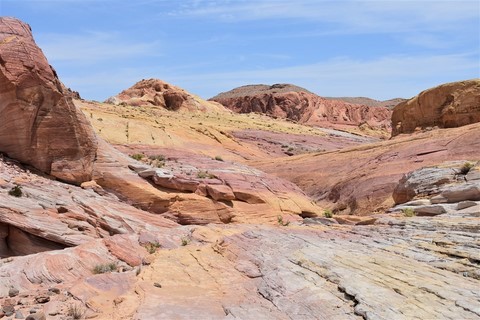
(449,105)
(155,92)
(295,103)
(39,125)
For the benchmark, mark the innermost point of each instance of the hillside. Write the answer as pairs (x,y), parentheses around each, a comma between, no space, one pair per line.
(286,101)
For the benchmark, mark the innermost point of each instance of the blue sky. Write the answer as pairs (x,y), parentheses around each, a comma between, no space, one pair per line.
(379,49)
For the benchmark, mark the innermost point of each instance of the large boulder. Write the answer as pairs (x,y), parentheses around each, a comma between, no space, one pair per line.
(447,106)
(40,126)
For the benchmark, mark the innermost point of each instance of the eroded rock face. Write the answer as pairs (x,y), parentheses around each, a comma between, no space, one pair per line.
(155,92)
(447,106)
(294,103)
(361,180)
(39,126)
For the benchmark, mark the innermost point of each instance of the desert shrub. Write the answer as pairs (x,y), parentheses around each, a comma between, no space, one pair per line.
(218,158)
(104,268)
(158,157)
(467,166)
(204,175)
(282,222)
(408,212)
(137,156)
(185,241)
(76,311)
(16,191)
(152,246)
(328,213)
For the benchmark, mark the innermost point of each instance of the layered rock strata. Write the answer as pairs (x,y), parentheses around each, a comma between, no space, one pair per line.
(449,105)
(39,125)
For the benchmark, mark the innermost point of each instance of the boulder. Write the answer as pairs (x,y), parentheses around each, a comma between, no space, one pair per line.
(423,182)
(449,105)
(40,125)
(463,192)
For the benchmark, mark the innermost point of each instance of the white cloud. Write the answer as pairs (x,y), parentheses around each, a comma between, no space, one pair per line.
(348,16)
(93,47)
(382,78)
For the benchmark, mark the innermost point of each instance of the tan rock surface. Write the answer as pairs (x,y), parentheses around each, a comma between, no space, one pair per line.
(446,106)
(398,268)
(39,125)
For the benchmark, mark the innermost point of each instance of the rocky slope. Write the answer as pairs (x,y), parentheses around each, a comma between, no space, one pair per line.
(157,93)
(447,106)
(291,102)
(39,126)
(391,103)
(360,180)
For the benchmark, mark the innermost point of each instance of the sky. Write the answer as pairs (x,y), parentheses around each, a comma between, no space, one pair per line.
(377,49)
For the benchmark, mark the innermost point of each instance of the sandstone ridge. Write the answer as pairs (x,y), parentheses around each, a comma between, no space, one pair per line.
(446,106)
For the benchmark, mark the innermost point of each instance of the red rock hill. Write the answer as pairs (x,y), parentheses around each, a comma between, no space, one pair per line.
(298,104)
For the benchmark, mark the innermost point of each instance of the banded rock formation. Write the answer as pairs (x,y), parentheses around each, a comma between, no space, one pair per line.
(449,105)
(39,125)
(155,92)
(295,103)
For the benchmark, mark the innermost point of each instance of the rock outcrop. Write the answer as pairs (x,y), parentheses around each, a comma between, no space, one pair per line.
(295,103)
(155,92)
(398,268)
(39,125)
(452,187)
(449,105)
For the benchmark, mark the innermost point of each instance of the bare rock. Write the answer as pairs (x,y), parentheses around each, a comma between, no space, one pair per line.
(446,106)
(432,210)
(40,125)
(36,316)
(423,182)
(42,298)
(463,192)
(13,292)
(298,104)
(220,192)
(157,93)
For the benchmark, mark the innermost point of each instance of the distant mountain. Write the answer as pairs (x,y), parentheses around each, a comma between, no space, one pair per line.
(391,103)
(298,104)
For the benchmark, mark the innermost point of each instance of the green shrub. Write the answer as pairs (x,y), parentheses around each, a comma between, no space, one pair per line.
(185,241)
(159,157)
(137,156)
(152,246)
(75,311)
(282,222)
(204,175)
(16,191)
(218,158)
(104,268)
(467,166)
(408,212)
(328,213)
